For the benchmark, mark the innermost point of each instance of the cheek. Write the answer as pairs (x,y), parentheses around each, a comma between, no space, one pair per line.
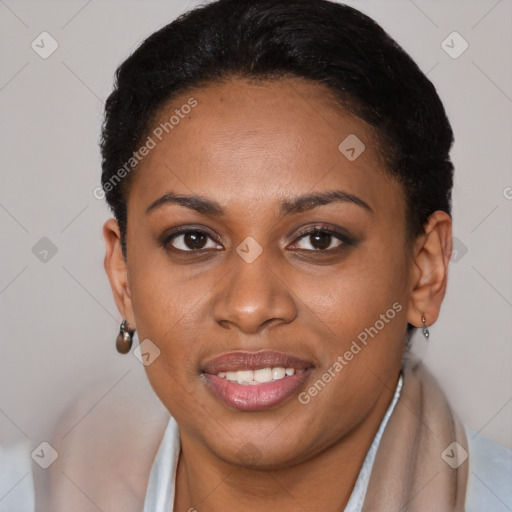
(363,314)
(352,298)
(172,309)
(168,311)
(166,297)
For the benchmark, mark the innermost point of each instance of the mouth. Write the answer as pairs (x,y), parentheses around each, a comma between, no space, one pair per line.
(255,381)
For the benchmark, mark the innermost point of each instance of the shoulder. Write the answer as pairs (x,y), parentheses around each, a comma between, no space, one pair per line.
(107,444)
(490,475)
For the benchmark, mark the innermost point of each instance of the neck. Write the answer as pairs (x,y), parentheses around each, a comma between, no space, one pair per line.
(323,482)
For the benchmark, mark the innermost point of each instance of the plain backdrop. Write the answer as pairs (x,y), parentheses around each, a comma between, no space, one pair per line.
(58,318)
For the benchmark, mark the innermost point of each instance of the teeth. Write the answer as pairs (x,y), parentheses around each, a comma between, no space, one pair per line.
(263,375)
(244,376)
(260,376)
(278,373)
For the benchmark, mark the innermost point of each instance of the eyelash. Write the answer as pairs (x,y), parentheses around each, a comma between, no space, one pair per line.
(322,229)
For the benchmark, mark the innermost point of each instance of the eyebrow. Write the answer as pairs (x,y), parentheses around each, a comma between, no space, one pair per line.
(296,205)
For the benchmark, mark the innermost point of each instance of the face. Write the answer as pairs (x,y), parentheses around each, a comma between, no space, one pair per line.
(270,269)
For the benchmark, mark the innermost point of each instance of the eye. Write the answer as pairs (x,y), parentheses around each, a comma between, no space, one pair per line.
(316,239)
(190,240)
(322,239)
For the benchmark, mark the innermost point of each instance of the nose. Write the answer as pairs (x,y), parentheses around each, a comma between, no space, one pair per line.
(253,297)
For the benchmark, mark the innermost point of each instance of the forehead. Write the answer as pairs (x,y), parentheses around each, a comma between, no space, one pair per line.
(256,141)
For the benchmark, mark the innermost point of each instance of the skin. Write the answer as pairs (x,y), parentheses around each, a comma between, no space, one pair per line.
(250,146)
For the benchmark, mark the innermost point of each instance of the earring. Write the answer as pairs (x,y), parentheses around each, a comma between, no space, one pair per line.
(426,332)
(125,337)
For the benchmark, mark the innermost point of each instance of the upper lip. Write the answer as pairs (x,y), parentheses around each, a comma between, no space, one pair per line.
(245,360)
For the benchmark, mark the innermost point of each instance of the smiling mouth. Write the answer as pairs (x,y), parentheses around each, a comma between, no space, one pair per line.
(255,381)
(260,376)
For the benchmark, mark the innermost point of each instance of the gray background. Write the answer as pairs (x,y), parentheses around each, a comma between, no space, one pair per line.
(58,317)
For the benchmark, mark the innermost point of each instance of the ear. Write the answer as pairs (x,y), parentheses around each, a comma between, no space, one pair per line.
(117,271)
(432,252)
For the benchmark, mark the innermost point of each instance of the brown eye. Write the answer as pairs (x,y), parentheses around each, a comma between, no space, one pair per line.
(190,241)
(322,239)
(195,240)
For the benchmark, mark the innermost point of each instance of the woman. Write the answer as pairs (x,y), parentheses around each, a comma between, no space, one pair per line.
(280,178)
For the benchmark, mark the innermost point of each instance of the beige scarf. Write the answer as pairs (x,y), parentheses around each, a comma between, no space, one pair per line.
(416,468)
(408,475)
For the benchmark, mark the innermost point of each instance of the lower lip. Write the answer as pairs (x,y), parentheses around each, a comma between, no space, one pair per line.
(258,397)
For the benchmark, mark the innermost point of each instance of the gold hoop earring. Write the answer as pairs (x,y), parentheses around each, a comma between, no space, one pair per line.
(425,331)
(125,337)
